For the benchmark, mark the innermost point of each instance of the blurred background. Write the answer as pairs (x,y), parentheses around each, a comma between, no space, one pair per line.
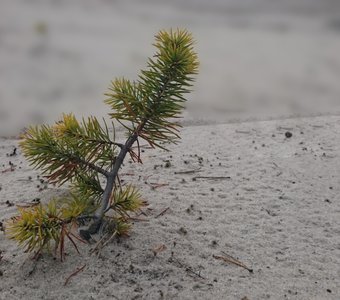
(260,59)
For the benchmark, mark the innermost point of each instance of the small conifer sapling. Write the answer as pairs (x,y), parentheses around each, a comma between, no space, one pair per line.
(85,152)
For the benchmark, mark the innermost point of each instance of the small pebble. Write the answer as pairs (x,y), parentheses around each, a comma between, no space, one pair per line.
(183,231)
(288,134)
(8,203)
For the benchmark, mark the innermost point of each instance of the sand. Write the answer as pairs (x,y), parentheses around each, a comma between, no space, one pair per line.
(278,213)
(257,60)
(269,201)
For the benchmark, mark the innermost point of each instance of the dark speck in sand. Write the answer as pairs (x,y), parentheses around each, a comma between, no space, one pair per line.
(288,134)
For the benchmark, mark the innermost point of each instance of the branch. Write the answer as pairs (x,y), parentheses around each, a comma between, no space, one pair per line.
(155,97)
(120,145)
(124,150)
(114,172)
(101,141)
(91,166)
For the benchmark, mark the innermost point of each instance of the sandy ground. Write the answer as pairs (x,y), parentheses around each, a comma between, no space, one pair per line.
(267,67)
(259,58)
(278,214)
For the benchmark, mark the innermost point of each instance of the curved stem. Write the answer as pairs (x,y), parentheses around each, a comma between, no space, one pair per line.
(114,172)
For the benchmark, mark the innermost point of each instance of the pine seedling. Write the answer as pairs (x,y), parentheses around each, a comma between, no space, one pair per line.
(84,153)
